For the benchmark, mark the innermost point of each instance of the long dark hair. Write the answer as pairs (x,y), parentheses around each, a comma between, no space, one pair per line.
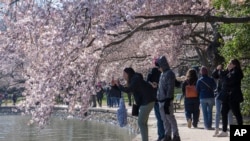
(130,71)
(191,76)
(236,62)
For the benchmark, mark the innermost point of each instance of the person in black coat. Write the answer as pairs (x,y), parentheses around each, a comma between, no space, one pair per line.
(231,94)
(153,78)
(218,103)
(115,94)
(99,94)
(143,95)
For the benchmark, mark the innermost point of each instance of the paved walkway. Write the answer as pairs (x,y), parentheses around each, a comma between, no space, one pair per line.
(186,134)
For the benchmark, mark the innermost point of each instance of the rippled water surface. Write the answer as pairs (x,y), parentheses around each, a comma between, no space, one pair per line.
(14,128)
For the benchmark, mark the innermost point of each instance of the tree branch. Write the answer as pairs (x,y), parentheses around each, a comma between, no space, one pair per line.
(13,2)
(127,58)
(197,18)
(177,19)
(130,33)
(201,37)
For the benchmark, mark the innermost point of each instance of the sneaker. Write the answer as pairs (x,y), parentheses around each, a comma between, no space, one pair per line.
(209,128)
(176,138)
(222,134)
(216,132)
(167,138)
(195,126)
(189,123)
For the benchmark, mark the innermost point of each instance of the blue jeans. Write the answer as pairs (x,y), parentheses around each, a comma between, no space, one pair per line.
(218,104)
(207,110)
(117,99)
(144,112)
(160,126)
(112,102)
(108,101)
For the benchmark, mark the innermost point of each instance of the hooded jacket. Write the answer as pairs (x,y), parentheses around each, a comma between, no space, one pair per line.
(167,81)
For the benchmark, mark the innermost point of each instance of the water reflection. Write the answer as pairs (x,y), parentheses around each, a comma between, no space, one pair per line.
(14,128)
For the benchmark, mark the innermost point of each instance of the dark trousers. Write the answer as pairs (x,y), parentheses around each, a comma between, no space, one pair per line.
(235,107)
(93,100)
(192,110)
(99,101)
(129,98)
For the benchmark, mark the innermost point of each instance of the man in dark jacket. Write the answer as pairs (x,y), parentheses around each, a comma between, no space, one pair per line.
(165,96)
(153,79)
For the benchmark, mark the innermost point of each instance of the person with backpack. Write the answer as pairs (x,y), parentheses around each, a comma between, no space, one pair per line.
(205,87)
(143,95)
(191,102)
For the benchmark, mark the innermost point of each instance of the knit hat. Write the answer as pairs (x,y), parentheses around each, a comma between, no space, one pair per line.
(204,70)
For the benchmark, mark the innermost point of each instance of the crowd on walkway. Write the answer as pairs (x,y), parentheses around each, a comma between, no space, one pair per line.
(5,97)
(200,91)
(113,95)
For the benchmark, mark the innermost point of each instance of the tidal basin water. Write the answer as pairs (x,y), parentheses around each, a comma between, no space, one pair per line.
(15,128)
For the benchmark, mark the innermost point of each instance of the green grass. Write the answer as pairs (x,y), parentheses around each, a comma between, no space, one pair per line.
(177,90)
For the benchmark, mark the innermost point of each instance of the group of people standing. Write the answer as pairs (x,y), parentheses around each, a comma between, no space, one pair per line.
(223,90)
(158,93)
(113,94)
(5,97)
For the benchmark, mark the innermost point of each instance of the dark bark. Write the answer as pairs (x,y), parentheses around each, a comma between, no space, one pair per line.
(174,20)
(197,18)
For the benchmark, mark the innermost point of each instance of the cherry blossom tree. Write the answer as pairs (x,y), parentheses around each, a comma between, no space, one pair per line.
(69,45)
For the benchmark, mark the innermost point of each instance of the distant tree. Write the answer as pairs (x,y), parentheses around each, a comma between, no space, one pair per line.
(237,41)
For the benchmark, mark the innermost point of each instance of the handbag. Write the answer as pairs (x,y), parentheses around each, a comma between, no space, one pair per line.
(135,110)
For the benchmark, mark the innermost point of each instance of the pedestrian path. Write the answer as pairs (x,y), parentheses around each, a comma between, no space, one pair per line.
(186,134)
